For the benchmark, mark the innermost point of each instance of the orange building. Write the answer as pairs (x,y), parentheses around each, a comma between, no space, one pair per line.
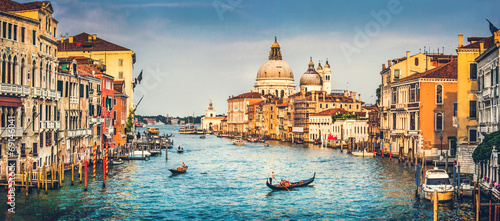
(422,110)
(120,114)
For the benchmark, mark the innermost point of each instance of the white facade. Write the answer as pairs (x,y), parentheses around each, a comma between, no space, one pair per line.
(488,91)
(321,126)
(210,122)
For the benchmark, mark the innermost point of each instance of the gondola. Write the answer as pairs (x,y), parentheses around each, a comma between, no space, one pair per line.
(269,183)
(175,171)
(180,150)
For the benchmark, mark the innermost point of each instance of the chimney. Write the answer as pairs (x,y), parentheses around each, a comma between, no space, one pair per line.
(481,47)
(70,39)
(383,67)
(407,64)
(389,63)
(345,93)
(359,97)
(354,95)
(460,40)
(62,39)
(94,36)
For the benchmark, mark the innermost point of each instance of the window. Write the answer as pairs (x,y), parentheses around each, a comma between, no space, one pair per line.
(472,109)
(396,74)
(416,61)
(23,34)
(34,37)
(473,71)
(496,75)
(4,30)
(455,108)
(9,34)
(120,74)
(472,135)
(393,121)
(81,90)
(439,94)
(412,121)
(14,33)
(439,121)
(394,98)
(120,62)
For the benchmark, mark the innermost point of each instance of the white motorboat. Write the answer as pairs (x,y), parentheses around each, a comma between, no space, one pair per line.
(438,179)
(138,153)
(363,154)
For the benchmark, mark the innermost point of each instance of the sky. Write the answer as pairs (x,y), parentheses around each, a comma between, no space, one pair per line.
(192,52)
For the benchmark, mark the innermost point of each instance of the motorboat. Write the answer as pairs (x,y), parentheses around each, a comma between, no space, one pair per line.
(438,179)
(139,153)
(466,189)
(117,162)
(363,153)
(238,142)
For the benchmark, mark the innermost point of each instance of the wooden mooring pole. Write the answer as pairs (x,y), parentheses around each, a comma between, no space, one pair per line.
(435,205)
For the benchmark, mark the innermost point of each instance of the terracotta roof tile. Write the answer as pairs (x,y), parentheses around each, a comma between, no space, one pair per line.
(448,70)
(8,5)
(488,42)
(247,95)
(81,43)
(330,112)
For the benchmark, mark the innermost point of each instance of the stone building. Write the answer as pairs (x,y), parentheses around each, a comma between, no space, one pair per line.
(210,122)
(28,96)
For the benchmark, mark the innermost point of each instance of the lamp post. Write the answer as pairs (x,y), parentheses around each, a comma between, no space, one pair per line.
(441,138)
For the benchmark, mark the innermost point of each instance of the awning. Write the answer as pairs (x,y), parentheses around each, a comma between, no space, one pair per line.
(10,102)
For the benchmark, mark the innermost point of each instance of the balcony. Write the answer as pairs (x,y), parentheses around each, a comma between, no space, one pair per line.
(11,132)
(88,132)
(73,99)
(36,92)
(486,92)
(91,91)
(455,121)
(52,94)
(398,132)
(14,89)
(71,133)
(58,95)
(45,93)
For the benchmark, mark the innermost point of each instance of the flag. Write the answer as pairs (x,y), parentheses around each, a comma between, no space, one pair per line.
(493,29)
(140,77)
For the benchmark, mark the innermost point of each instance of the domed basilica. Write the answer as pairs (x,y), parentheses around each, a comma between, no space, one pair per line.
(276,77)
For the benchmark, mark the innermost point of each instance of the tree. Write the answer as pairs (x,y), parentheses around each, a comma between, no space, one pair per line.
(377,92)
(130,120)
(483,151)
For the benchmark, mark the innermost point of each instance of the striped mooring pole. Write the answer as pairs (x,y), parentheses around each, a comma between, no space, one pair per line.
(107,145)
(94,158)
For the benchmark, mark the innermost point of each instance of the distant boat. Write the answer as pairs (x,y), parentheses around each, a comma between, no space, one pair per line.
(363,154)
(180,149)
(299,141)
(139,125)
(187,130)
(203,137)
(238,142)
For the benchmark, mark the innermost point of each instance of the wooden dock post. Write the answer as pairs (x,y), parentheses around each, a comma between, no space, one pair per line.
(62,166)
(46,184)
(38,179)
(52,175)
(435,205)
(27,183)
(478,201)
(85,189)
(80,170)
(72,173)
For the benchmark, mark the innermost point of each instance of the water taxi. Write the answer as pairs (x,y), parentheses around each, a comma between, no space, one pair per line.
(363,154)
(154,131)
(187,130)
(438,179)
(238,142)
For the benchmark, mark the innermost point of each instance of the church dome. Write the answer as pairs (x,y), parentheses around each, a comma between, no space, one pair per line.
(311,76)
(276,69)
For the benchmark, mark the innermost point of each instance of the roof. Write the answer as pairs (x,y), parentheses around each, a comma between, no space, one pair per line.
(8,6)
(330,112)
(87,70)
(81,43)
(448,70)
(247,95)
(488,42)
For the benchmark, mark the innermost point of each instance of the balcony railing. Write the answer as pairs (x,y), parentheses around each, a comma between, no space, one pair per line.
(36,92)
(14,89)
(43,125)
(51,124)
(45,93)
(52,94)
(88,132)
(11,132)
(58,95)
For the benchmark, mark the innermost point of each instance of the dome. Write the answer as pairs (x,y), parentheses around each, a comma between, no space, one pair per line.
(275,45)
(310,77)
(275,69)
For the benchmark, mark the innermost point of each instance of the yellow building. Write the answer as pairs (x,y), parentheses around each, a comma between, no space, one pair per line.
(466,119)
(119,60)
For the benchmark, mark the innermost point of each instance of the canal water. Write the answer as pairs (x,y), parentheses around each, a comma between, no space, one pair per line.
(227,182)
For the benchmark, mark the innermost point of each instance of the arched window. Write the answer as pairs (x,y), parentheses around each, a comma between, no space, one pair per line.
(416,61)
(14,69)
(276,93)
(40,74)
(4,67)
(32,74)
(439,94)
(23,68)
(282,93)
(262,92)
(9,69)
(439,121)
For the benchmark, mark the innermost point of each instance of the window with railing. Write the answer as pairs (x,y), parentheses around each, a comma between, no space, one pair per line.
(23,150)
(439,121)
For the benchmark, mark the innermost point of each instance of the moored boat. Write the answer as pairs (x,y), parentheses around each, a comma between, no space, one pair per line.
(279,186)
(117,162)
(363,154)
(203,137)
(179,170)
(438,179)
(187,130)
(299,141)
(238,142)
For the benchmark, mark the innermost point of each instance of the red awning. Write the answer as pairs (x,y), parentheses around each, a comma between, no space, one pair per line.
(10,102)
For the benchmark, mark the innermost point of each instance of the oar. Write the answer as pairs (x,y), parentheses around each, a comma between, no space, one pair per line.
(281,184)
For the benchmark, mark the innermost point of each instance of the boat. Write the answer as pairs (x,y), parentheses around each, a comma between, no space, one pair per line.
(187,130)
(466,189)
(299,141)
(363,154)
(438,179)
(200,131)
(266,145)
(202,137)
(139,125)
(261,140)
(316,142)
(238,142)
(154,132)
(178,170)
(138,153)
(155,152)
(117,162)
(180,149)
(269,183)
